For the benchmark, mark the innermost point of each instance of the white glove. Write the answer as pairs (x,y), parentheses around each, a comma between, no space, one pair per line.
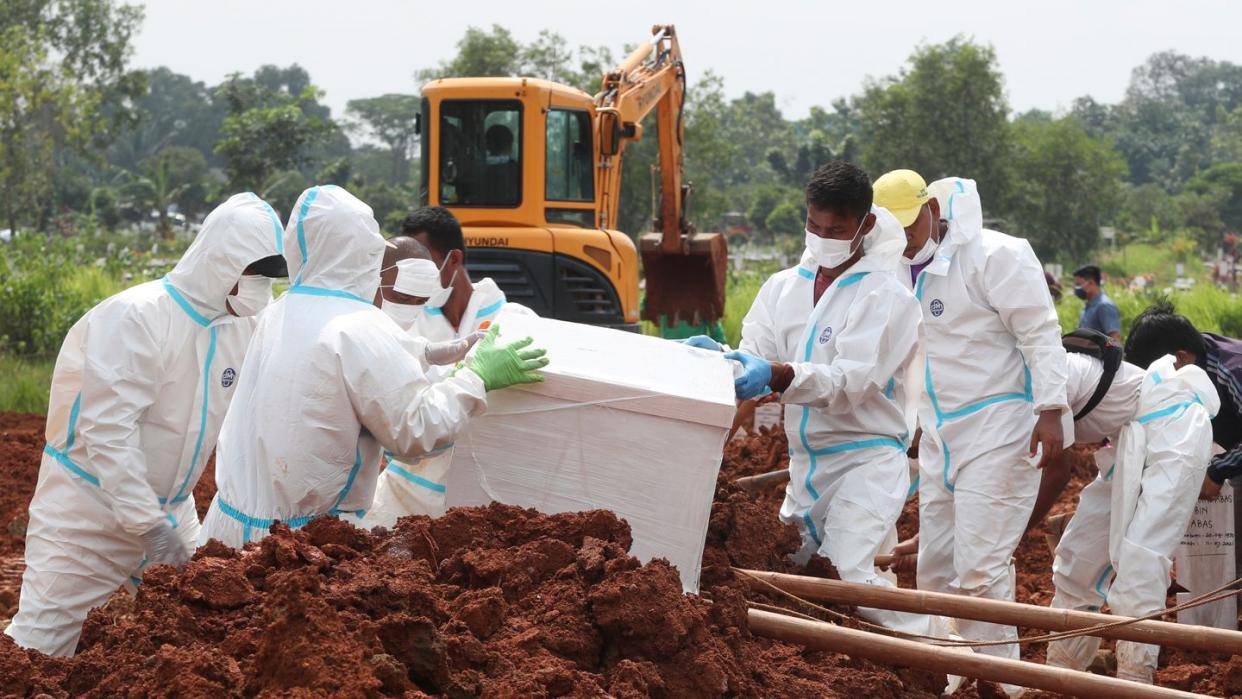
(452,351)
(162,545)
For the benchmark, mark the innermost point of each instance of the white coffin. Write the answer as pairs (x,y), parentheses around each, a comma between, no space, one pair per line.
(622,422)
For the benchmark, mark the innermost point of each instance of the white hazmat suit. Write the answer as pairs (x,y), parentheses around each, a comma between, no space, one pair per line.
(418,487)
(844,408)
(140,388)
(333,382)
(1118,546)
(993,361)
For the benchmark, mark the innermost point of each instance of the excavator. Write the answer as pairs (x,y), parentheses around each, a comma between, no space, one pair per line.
(532,169)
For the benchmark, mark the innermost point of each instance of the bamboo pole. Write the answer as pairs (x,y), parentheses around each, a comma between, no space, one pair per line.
(755,483)
(1204,638)
(895,651)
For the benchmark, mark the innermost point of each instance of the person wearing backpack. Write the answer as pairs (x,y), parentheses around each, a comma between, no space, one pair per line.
(1118,545)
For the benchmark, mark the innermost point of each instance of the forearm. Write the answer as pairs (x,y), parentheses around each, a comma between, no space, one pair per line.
(1052,482)
(1226,466)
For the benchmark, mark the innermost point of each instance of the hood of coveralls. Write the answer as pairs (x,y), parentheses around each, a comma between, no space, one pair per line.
(882,247)
(961,207)
(333,242)
(1164,384)
(240,231)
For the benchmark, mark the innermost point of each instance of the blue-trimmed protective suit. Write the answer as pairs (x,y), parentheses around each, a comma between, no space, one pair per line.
(844,410)
(140,388)
(419,487)
(993,361)
(1119,544)
(330,382)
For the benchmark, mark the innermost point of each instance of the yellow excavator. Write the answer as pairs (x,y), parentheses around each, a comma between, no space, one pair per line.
(532,169)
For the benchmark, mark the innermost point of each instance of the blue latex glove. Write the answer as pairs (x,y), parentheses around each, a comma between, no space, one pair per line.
(756,374)
(703,342)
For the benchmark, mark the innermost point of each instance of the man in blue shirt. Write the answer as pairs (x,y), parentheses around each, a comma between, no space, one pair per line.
(1100,313)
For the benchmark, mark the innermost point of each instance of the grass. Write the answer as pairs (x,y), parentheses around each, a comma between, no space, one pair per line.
(24,384)
(1157,260)
(1209,307)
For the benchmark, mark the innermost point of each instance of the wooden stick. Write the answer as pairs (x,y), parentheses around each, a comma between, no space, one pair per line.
(755,483)
(1204,638)
(895,651)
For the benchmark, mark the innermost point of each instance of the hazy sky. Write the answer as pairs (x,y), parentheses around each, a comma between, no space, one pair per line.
(808,53)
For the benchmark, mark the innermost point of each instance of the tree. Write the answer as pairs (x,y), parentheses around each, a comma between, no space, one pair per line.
(393,120)
(480,54)
(787,219)
(167,179)
(64,88)
(944,114)
(1069,183)
(767,198)
(1225,179)
(267,131)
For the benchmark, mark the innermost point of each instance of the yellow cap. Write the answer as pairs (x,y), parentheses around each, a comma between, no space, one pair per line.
(903,193)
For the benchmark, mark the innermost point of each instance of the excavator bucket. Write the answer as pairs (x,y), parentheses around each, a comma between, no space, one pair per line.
(685,292)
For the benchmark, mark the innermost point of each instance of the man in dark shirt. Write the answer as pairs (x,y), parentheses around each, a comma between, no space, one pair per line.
(1158,331)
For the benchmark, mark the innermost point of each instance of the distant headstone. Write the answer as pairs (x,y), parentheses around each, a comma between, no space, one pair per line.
(1205,561)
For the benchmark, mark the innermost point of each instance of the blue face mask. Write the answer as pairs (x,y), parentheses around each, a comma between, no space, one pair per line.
(1080,292)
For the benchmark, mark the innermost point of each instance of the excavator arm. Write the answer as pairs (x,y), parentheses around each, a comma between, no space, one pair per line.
(685,270)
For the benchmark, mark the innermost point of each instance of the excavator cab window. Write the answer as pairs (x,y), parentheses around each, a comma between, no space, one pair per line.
(569,174)
(481,153)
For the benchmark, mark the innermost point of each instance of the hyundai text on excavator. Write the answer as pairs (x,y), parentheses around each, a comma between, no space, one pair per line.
(532,169)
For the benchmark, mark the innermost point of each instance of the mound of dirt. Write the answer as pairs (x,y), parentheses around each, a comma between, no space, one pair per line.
(494,601)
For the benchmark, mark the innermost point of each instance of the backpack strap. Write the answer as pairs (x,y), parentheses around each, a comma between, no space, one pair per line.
(1102,347)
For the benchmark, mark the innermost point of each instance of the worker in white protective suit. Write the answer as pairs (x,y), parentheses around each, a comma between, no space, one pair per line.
(1118,547)
(330,382)
(417,488)
(833,336)
(452,314)
(138,394)
(994,390)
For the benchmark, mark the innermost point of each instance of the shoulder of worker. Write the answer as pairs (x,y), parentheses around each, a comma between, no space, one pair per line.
(884,288)
(802,272)
(148,304)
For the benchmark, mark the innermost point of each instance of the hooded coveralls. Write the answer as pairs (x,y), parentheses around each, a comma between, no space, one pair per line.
(844,408)
(1118,546)
(418,487)
(331,382)
(993,361)
(140,388)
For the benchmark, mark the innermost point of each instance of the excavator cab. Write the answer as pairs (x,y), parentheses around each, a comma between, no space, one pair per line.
(532,169)
(513,159)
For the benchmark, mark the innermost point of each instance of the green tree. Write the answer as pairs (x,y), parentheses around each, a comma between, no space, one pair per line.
(1226,180)
(392,120)
(64,89)
(1069,184)
(167,179)
(480,54)
(767,198)
(267,131)
(787,219)
(944,114)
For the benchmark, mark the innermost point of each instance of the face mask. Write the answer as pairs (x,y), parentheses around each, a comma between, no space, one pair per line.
(254,292)
(929,247)
(1080,292)
(405,315)
(830,253)
(441,297)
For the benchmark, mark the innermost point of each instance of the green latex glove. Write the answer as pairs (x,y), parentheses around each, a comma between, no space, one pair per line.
(501,366)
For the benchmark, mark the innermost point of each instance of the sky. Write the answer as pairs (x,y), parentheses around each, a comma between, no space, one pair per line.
(807,53)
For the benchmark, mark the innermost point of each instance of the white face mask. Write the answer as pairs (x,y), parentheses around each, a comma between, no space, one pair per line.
(929,246)
(441,297)
(830,253)
(405,315)
(254,292)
